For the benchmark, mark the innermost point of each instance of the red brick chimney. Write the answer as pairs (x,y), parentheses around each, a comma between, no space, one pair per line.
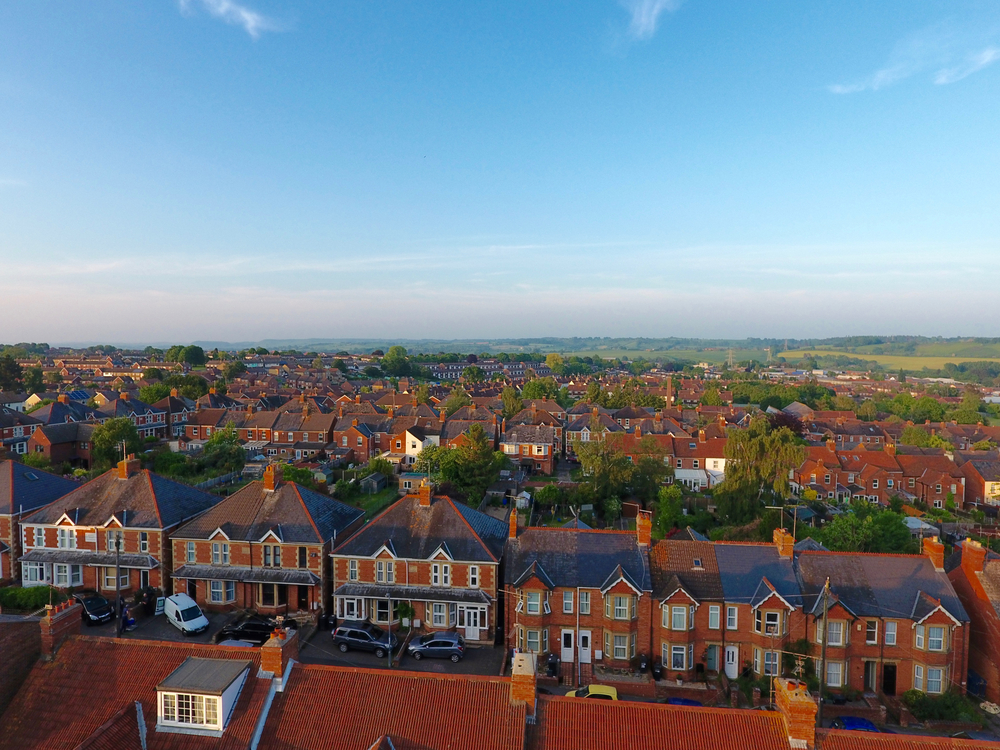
(123,395)
(644,527)
(638,431)
(173,392)
(424,494)
(701,436)
(798,709)
(272,477)
(890,448)
(275,654)
(212,391)
(522,682)
(512,521)
(60,622)
(973,557)
(785,542)
(392,412)
(129,467)
(831,445)
(63,398)
(443,415)
(935,551)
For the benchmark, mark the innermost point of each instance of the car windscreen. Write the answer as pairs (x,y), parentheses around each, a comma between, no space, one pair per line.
(95,602)
(375,632)
(191,613)
(426,639)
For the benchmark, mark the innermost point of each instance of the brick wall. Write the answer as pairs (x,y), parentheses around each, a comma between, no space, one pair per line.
(20,644)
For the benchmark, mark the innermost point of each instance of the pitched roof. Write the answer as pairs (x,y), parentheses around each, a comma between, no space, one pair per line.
(25,488)
(149,500)
(742,568)
(445,712)
(672,563)
(57,707)
(417,532)
(577,557)
(580,724)
(837,739)
(294,513)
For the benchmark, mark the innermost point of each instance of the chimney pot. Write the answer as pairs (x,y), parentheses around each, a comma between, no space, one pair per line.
(785,542)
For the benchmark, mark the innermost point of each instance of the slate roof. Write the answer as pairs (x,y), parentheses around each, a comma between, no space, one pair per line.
(413,593)
(529,433)
(416,533)
(875,585)
(246,575)
(149,500)
(742,568)
(58,708)
(88,557)
(672,565)
(577,557)
(580,724)
(58,412)
(22,487)
(68,432)
(294,513)
(988,469)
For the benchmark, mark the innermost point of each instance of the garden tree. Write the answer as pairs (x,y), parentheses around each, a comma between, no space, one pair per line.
(317,363)
(373,372)
(649,469)
(233,369)
(152,373)
(193,355)
(843,403)
(472,467)
(758,462)
(790,421)
(594,393)
(150,394)
(456,400)
(173,354)
(339,364)
(711,397)
(669,512)
(105,447)
(423,394)
(631,393)
(224,451)
(867,411)
(53,377)
(34,381)
(395,361)
(867,528)
(36,461)
(512,403)
(549,497)
(540,388)
(555,362)
(913,435)
(984,445)
(10,374)
(301,476)
(381,466)
(473,374)
(607,470)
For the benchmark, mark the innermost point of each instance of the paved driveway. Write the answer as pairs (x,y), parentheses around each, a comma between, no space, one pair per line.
(157,628)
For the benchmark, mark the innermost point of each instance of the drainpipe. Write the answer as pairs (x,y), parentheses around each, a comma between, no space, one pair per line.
(579,666)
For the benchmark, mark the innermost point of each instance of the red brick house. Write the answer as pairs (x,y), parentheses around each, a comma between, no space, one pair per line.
(438,555)
(71,542)
(69,442)
(263,548)
(976,579)
(531,447)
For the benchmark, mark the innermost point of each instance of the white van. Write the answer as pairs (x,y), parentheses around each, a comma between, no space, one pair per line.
(184,614)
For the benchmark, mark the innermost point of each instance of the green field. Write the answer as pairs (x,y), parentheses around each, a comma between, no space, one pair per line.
(715,356)
(893,361)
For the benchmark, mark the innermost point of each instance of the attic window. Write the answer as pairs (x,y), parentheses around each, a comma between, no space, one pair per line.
(692,445)
(199,696)
(30,476)
(697,562)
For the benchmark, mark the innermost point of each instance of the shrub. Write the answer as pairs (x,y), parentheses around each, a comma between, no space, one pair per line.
(950,706)
(30,599)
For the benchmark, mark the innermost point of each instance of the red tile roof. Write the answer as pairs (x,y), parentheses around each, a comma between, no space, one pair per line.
(582,724)
(844,740)
(351,709)
(87,691)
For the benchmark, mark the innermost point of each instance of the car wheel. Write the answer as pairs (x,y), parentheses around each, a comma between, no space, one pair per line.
(380,653)
(455,658)
(343,648)
(418,656)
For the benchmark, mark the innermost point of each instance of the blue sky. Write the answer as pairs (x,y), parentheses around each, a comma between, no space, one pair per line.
(243,169)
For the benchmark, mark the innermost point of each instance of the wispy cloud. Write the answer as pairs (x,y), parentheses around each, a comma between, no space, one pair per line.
(646,15)
(252,22)
(10,182)
(973,64)
(946,51)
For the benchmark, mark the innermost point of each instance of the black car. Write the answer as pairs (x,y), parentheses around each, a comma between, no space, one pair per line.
(363,636)
(445,645)
(96,609)
(253,629)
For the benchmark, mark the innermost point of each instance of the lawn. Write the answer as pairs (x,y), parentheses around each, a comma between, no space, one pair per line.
(715,356)
(891,361)
(375,504)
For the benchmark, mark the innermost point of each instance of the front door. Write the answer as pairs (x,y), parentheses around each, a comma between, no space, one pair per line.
(473,623)
(712,660)
(585,647)
(567,646)
(889,679)
(303,604)
(870,671)
(193,589)
(732,661)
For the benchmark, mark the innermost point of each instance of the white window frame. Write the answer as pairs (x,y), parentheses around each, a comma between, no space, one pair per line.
(584,602)
(620,645)
(680,651)
(932,639)
(191,554)
(216,592)
(678,618)
(918,677)
(918,637)
(201,711)
(533,602)
(66,538)
(567,606)
(473,576)
(871,640)
(890,633)
(932,688)
(732,618)
(714,617)
(838,668)
(621,607)
(352,570)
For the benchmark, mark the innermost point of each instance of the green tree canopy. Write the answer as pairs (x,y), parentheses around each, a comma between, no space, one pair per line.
(456,400)
(669,511)
(233,369)
(395,362)
(34,381)
(473,374)
(867,528)
(105,448)
(512,402)
(10,374)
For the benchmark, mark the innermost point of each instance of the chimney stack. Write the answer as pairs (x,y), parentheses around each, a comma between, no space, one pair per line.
(785,542)
(890,448)
(973,557)
(60,622)
(173,392)
(211,391)
(424,494)
(701,436)
(512,521)
(798,709)
(935,551)
(272,477)
(123,395)
(63,398)
(282,647)
(129,467)
(644,527)
(522,682)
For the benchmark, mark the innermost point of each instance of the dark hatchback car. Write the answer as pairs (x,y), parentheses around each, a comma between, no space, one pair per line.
(854,723)
(445,645)
(253,629)
(96,609)
(363,636)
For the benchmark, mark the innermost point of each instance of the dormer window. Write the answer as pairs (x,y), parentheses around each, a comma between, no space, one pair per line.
(199,696)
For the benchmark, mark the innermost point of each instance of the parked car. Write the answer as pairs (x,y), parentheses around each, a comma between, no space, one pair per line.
(184,614)
(445,645)
(253,628)
(683,702)
(854,723)
(600,692)
(238,644)
(96,609)
(363,636)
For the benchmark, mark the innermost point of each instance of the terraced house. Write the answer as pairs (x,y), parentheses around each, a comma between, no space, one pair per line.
(263,548)
(437,555)
(581,593)
(72,541)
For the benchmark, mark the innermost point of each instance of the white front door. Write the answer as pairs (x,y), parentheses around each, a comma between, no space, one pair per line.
(567,646)
(585,647)
(732,659)
(472,624)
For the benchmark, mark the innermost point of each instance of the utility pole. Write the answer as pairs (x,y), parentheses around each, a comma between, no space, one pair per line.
(822,655)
